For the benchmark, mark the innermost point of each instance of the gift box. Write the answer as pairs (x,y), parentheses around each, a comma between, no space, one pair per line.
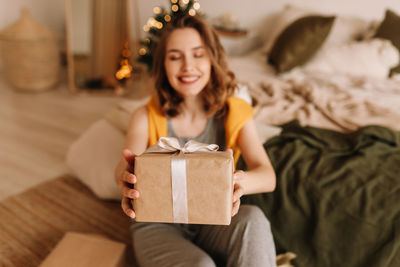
(193,184)
(85,250)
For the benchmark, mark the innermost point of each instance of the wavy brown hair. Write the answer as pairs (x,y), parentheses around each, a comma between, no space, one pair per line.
(222,81)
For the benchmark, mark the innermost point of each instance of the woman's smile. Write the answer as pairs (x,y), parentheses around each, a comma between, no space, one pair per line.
(188,79)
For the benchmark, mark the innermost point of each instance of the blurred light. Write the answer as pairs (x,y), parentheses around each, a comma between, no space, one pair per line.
(142,51)
(192,12)
(174,1)
(159,25)
(185,2)
(167,18)
(124,71)
(157,10)
(146,28)
(151,22)
(126,53)
(175,8)
(196,5)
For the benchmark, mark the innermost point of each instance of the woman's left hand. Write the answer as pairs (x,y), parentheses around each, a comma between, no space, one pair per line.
(237,190)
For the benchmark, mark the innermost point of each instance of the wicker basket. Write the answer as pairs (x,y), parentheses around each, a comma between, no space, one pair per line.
(30,55)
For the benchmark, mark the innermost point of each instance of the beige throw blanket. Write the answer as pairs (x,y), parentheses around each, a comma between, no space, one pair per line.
(340,103)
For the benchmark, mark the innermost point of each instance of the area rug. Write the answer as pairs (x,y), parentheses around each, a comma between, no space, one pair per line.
(33,222)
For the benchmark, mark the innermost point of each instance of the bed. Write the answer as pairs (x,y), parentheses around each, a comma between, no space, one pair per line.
(337,158)
(330,124)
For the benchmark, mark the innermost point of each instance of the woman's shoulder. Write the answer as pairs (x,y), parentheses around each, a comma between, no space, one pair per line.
(140,114)
(237,103)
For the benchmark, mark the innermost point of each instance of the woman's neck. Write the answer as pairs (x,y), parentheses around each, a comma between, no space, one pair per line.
(192,108)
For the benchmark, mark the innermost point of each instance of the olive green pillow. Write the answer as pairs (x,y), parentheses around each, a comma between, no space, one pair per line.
(390,30)
(299,42)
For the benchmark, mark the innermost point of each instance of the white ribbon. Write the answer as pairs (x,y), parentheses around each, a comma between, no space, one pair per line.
(178,171)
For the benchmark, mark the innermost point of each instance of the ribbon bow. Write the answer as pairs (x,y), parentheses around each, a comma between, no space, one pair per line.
(178,170)
(171,144)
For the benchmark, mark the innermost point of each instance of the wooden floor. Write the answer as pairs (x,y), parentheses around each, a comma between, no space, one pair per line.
(36,130)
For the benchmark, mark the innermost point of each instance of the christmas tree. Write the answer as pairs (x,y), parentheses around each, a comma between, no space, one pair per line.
(156,23)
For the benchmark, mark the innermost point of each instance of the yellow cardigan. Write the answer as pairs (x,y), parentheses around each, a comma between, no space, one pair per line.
(239,112)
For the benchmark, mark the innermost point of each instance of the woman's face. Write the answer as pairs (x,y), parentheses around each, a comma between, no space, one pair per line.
(187,63)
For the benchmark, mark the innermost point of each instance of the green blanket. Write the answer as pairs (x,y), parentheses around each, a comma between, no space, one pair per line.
(337,201)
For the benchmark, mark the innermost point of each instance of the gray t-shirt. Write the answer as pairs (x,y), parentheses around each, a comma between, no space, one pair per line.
(214,133)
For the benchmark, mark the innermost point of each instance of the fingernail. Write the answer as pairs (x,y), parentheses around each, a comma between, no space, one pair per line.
(132,179)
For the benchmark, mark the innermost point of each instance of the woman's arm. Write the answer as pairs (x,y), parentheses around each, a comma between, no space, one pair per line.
(260,176)
(135,144)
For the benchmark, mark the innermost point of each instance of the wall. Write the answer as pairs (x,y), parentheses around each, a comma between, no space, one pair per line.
(48,12)
(51,12)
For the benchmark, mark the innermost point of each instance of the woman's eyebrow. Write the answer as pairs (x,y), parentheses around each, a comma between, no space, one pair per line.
(173,51)
(178,51)
(198,47)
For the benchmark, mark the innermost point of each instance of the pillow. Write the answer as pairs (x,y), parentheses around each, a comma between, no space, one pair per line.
(94,156)
(289,14)
(344,29)
(299,42)
(373,58)
(390,30)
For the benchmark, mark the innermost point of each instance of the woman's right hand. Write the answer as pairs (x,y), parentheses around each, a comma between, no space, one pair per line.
(125,178)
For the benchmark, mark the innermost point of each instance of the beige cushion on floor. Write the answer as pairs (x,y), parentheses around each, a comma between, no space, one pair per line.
(94,156)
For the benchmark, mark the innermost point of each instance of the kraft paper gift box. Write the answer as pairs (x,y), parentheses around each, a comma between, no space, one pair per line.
(86,250)
(193,184)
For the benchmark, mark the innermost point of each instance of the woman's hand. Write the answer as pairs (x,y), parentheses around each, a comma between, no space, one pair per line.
(237,190)
(126,179)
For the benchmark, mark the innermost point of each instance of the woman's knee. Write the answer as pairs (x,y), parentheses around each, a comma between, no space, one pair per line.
(201,261)
(253,214)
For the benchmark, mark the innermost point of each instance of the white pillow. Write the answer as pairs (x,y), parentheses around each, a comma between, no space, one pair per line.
(373,58)
(94,156)
(344,29)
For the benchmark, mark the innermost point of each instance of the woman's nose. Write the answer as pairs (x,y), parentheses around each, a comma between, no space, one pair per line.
(188,63)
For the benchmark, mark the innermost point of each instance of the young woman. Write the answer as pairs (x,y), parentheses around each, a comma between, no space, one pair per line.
(194,101)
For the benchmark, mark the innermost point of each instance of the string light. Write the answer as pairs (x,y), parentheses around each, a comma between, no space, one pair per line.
(167,18)
(125,71)
(174,1)
(159,25)
(142,51)
(151,22)
(157,10)
(196,5)
(192,12)
(146,28)
(175,8)
(185,2)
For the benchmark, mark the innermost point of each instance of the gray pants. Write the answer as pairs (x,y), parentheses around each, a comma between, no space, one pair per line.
(247,241)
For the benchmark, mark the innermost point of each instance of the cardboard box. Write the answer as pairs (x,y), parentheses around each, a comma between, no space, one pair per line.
(209,185)
(86,250)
